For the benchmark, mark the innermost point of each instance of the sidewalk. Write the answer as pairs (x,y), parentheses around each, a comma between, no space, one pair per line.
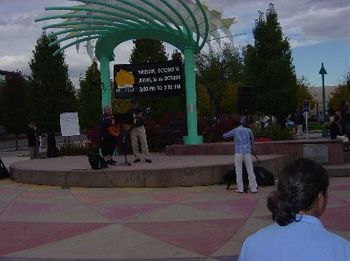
(187,223)
(182,223)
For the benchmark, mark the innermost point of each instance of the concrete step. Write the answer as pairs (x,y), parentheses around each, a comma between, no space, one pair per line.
(347,156)
(341,170)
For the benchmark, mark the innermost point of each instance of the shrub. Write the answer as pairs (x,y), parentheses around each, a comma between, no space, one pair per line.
(317,126)
(274,132)
(74,149)
(213,128)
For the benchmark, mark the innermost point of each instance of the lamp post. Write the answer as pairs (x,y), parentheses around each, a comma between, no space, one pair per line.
(323,72)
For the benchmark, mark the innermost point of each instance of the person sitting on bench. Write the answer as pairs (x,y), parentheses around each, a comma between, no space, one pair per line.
(336,132)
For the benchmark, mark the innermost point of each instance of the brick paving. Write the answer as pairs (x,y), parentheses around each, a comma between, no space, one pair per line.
(184,223)
(181,223)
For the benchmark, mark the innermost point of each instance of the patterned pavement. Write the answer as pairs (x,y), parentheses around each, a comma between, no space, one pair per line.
(185,223)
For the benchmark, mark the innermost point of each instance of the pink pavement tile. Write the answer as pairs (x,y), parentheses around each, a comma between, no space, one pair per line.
(17,236)
(8,194)
(89,197)
(226,258)
(25,209)
(337,218)
(342,187)
(15,210)
(243,207)
(39,195)
(265,218)
(334,201)
(173,197)
(125,212)
(3,205)
(204,237)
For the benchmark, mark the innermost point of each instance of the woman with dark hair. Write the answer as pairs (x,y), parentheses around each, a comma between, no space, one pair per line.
(337,132)
(297,232)
(107,139)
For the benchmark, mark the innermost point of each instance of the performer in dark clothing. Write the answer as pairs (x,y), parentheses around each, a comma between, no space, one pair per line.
(33,140)
(107,136)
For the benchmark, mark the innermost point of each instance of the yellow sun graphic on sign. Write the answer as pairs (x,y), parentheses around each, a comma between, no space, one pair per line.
(124,79)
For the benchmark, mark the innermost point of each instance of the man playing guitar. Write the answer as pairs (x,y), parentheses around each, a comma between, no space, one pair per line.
(138,133)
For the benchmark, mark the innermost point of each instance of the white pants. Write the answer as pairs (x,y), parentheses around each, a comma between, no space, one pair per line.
(247,158)
(136,134)
(343,138)
(299,129)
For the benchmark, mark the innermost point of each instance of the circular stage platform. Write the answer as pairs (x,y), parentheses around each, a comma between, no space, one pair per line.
(164,171)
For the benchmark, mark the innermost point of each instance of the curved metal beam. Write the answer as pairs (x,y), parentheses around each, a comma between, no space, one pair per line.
(189,33)
(75,36)
(95,10)
(85,28)
(159,10)
(194,20)
(205,38)
(75,42)
(74,23)
(134,13)
(106,45)
(68,16)
(98,18)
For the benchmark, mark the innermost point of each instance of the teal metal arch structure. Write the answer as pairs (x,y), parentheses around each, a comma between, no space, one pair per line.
(186,24)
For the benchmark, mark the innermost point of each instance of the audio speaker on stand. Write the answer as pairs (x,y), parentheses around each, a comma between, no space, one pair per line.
(246,100)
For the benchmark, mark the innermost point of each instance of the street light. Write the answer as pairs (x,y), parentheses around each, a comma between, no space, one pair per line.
(323,72)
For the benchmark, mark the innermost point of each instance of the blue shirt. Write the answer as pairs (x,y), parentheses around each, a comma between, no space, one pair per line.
(243,138)
(305,240)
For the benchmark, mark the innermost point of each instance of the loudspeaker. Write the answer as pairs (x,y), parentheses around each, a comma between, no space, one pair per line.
(246,100)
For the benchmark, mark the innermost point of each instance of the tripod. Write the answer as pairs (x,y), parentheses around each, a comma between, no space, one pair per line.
(123,146)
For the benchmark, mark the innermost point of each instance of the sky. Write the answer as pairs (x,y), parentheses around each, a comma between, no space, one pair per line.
(318,31)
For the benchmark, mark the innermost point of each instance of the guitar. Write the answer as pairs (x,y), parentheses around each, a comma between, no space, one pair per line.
(139,118)
(114,130)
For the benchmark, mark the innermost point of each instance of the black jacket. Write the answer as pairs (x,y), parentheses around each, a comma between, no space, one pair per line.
(33,138)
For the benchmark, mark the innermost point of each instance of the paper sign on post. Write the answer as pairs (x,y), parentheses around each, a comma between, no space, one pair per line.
(69,122)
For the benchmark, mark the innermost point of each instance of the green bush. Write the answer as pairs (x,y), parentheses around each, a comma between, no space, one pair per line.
(274,132)
(74,149)
(317,126)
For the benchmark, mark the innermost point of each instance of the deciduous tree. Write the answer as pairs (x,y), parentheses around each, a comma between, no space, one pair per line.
(303,93)
(341,94)
(219,72)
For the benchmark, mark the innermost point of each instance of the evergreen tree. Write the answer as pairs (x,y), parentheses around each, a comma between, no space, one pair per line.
(50,90)
(148,51)
(90,97)
(268,67)
(152,51)
(13,97)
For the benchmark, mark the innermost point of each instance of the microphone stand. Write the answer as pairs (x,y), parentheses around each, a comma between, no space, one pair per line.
(123,146)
